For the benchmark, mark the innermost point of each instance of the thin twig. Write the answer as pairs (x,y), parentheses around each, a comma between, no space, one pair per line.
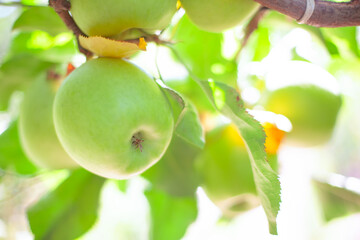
(251,27)
(253,24)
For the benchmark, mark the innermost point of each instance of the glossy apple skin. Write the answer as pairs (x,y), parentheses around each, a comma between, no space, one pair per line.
(110,18)
(36,127)
(101,106)
(312,111)
(219,15)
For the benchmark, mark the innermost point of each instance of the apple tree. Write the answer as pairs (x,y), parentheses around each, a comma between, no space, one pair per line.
(125,119)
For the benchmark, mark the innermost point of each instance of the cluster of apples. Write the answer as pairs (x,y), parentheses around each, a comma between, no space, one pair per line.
(111,118)
(131,19)
(108,116)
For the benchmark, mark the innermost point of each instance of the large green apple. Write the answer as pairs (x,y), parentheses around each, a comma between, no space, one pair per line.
(312,111)
(121,18)
(36,126)
(112,118)
(225,170)
(219,15)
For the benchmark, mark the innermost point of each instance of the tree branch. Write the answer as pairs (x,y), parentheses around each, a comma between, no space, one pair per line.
(253,24)
(62,8)
(326,14)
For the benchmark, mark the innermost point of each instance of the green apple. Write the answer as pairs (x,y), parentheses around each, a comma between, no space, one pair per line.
(219,15)
(36,126)
(312,111)
(112,118)
(122,19)
(226,173)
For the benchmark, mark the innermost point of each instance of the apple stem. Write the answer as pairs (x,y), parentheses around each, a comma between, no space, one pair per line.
(251,27)
(137,141)
(62,8)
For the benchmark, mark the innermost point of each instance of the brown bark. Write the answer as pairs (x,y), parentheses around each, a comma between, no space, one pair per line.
(326,14)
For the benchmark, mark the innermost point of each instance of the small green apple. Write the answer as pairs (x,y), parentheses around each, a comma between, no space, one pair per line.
(122,19)
(112,118)
(36,126)
(219,15)
(312,111)
(225,170)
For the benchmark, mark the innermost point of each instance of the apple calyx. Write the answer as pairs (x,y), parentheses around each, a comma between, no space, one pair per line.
(137,141)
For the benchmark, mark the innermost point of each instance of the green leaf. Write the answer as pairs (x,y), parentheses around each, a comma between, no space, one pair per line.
(122,185)
(175,99)
(189,127)
(262,45)
(12,156)
(337,201)
(40,18)
(202,52)
(175,173)
(331,47)
(193,92)
(229,103)
(344,39)
(68,211)
(187,121)
(170,216)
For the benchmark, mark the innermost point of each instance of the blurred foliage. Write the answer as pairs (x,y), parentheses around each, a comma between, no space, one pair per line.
(60,48)
(175,174)
(170,216)
(202,52)
(337,201)
(40,18)
(68,211)
(14,78)
(12,156)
